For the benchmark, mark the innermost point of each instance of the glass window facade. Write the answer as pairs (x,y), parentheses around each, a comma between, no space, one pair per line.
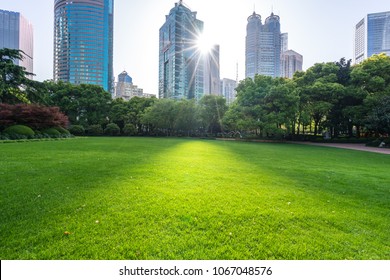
(83,42)
(181,68)
(372,36)
(16,32)
(263,46)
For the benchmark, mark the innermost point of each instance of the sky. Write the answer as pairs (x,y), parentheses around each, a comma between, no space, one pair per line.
(320,30)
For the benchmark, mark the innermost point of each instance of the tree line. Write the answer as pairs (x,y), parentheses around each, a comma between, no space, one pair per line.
(333,99)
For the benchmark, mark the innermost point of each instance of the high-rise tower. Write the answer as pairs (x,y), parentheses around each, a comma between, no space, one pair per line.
(17,33)
(83,42)
(372,36)
(263,46)
(181,67)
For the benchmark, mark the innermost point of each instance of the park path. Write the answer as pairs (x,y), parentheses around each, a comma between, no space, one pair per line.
(359,147)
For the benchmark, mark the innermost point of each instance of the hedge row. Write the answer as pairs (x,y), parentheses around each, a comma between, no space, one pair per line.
(17,132)
(111,129)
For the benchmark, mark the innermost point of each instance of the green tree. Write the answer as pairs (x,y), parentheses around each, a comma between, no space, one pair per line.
(161,116)
(212,109)
(371,80)
(187,120)
(15,86)
(84,104)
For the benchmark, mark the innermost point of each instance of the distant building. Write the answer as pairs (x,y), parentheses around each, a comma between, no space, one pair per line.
(212,81)
(372,36)
(126,90)
(228,88)
(284,42)
(83,42)
(291,63)
(16,32)
(263,46)
(181,67)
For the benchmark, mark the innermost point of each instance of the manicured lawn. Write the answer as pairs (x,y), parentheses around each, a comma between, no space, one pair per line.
(144,198)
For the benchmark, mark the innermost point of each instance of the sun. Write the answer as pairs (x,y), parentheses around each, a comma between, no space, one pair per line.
(203,44)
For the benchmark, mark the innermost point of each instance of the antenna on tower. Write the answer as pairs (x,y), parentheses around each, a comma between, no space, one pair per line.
(237,73)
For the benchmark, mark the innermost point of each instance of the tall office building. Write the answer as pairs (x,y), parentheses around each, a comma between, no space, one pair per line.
(263,46)
(181,67)
(291,63)
(16,32)
(372,36)
(83,42)
(212,81)
(228,88)
(126,90)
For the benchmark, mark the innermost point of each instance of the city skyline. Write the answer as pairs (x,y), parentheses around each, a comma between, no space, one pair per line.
(321,31)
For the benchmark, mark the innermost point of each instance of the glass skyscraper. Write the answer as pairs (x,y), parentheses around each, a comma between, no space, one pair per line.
(17,33)
(372,36)
(83,42)
(263,46)
(181,67)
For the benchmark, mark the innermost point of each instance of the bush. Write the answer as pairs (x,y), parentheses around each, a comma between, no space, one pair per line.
(130,130)
(32,115)
(52,132)
(62,130)
(95,130)
(112,129)
(77,130)
(17,131)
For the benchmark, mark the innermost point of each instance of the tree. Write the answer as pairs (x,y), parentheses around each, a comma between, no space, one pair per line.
(187,119)
(212,109)
(84,104)
(161,116)
(371,80)
(15,86)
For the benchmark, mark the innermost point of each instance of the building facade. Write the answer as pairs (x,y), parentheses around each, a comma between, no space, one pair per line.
(212,80)
(228,90)
(291,63)
(372,36)
(126,90)
(16,32)
(263,46)
(181,67)
(83,42)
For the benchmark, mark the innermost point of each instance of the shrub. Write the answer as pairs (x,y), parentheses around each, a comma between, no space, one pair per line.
(62,130)
(52,132)
(32,115)
(77,130)
(112,129)
(95,130)
(19,131)
(129,130)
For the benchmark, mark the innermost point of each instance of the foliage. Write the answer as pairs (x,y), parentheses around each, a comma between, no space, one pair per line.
(19,130)
(95,130)
(112,129)
(83,104)
(52,132)
(212,109)
(129,130)
(62,130)
(35,116)
(145,198)
(77,130)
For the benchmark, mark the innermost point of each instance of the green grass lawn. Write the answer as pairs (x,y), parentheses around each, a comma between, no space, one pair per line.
(156,198)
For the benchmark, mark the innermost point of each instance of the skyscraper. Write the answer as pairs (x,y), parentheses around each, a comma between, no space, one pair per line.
(83,42)
(212,81)
(181,67)
(291,63)
(372,36)
(263,46)
(17,33)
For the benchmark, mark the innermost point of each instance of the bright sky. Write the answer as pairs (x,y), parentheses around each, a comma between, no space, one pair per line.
(320,30)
